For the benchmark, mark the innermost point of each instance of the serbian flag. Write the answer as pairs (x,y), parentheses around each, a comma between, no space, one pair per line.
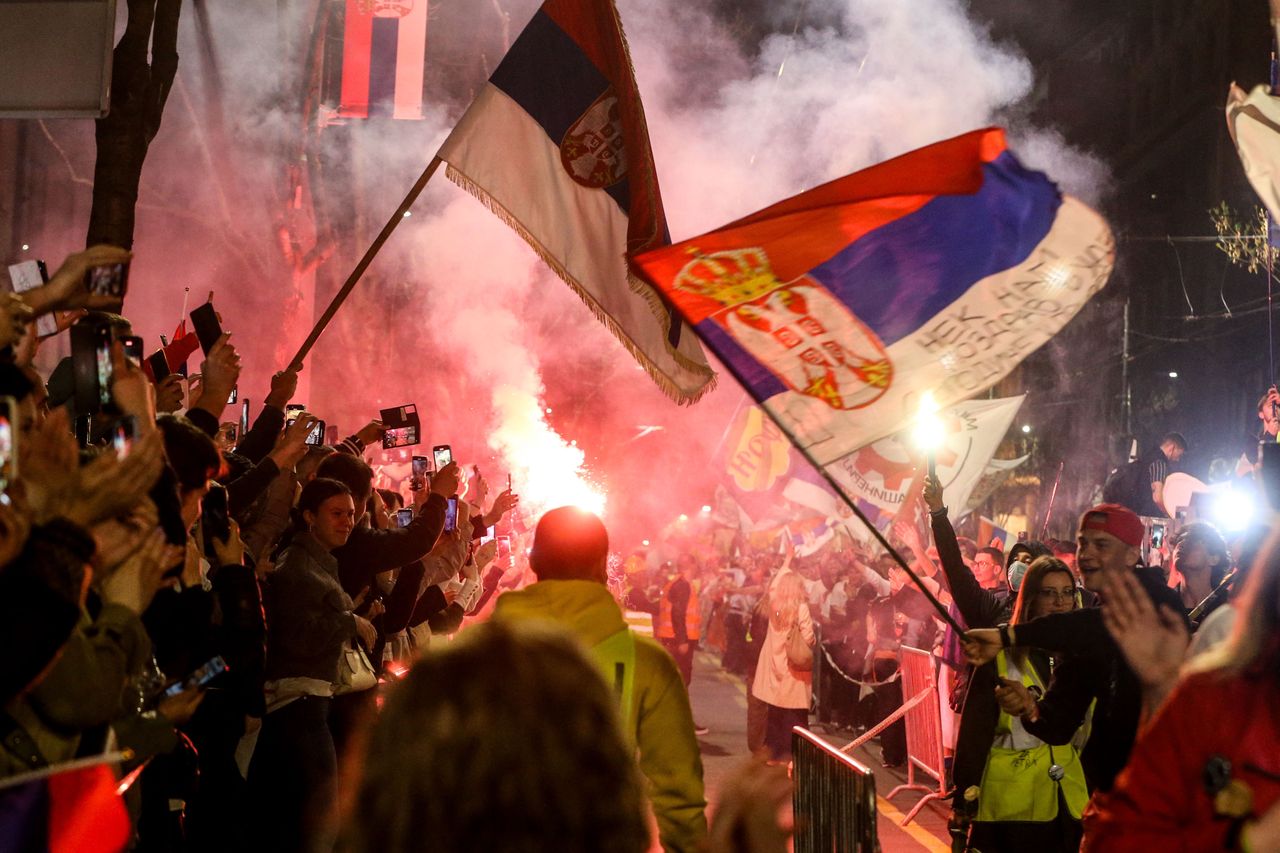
(556,145)
(384,47)
(938,271)
(71,808)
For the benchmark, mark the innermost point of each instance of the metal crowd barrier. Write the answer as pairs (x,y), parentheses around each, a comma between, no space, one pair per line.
(924,730)
(834,799)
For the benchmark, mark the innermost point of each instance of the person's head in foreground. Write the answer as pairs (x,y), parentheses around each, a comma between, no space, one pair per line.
(570,544)
(1109,540)
(506,739)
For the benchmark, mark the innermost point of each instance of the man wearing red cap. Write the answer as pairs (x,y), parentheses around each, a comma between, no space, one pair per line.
(1109,542)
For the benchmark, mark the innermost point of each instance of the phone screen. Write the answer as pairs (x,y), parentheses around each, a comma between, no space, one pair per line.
(451,516)
(102,358)
(202,676)
(231,400)
(123,434)
(244,417)
(403,517)
(292,411)
(132,345)
(504,547)
(8,439)
(110,280)
(315,438)
(400,437)
(421,470)
(444,456)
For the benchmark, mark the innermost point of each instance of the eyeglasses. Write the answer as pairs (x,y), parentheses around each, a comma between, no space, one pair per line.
(1058,595)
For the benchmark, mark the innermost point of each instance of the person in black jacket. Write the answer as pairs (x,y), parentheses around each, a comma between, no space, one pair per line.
(1109,540)
(1041,594)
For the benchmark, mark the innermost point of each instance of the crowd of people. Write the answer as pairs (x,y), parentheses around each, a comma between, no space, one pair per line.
(1108,693)
(254,630)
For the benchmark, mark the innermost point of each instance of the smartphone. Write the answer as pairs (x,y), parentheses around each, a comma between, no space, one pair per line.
(123,433)
(244,416)
(202,676)
(451,516)
(331,434)
(443,455)
(8,441)
(229,433)
(315,438)
(110,280)
(132,345)
(292,411)
(103,337)
(214,517)
(205,321)
(402,426)
(235,395)
(28,275)
(504,547)
(159,365)
(418,476)
(403,517)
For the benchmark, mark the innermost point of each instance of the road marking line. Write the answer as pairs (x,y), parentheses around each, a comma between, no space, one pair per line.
(927,839)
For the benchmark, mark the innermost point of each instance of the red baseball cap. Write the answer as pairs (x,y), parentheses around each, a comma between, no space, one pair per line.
(1120,521)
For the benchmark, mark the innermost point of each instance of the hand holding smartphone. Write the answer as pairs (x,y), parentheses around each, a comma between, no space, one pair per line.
(443,454)
(419,473)
(202,676)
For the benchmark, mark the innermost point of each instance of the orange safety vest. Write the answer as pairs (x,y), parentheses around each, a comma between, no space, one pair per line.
(692,615)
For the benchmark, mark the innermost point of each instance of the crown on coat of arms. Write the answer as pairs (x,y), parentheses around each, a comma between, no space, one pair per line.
(385,8)
(730,277)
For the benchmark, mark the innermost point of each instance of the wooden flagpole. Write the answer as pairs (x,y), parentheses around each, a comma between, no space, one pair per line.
(369,255)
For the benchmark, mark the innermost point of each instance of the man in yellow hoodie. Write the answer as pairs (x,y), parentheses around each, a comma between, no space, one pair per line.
(569,557)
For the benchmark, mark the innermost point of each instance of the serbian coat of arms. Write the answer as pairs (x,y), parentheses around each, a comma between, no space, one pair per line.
(592,151)
(803,334)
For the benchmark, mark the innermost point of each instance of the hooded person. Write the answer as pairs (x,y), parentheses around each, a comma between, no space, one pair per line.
(569,557)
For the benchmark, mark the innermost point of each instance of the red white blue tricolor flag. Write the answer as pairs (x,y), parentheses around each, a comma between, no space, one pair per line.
(937,271)
(384,45)
(557,146)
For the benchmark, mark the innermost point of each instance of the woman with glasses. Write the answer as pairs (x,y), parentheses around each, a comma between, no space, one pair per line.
(1014,792)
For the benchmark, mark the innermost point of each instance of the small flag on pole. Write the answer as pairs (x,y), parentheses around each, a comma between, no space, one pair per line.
(384,45)
(556,145)
(937,271)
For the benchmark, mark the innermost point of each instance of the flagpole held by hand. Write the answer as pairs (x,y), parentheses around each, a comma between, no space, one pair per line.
(363,265)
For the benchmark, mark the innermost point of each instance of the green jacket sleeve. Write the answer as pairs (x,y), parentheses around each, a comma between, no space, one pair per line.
(669,757)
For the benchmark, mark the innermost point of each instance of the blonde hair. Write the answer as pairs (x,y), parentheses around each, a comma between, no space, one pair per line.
(785,597)
(507,739)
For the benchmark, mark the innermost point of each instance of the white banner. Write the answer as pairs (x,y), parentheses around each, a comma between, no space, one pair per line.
(882,472)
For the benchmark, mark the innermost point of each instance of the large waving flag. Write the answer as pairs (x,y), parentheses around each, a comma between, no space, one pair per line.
(556,145)
(937,271)
(1254,123)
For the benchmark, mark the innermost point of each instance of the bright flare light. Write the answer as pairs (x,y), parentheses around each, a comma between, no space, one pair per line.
(1233,511)
(927,433)
(549,468)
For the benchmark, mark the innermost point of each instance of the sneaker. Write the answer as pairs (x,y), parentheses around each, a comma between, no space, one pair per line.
(699,729)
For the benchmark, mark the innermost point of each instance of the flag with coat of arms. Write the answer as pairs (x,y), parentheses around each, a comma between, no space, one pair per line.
(937,271)
(556,145)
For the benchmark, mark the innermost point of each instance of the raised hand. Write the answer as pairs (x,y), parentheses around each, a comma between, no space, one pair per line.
(1153,642)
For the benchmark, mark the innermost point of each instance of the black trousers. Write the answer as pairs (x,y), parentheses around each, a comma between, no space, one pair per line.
(293,777)
(684,660)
